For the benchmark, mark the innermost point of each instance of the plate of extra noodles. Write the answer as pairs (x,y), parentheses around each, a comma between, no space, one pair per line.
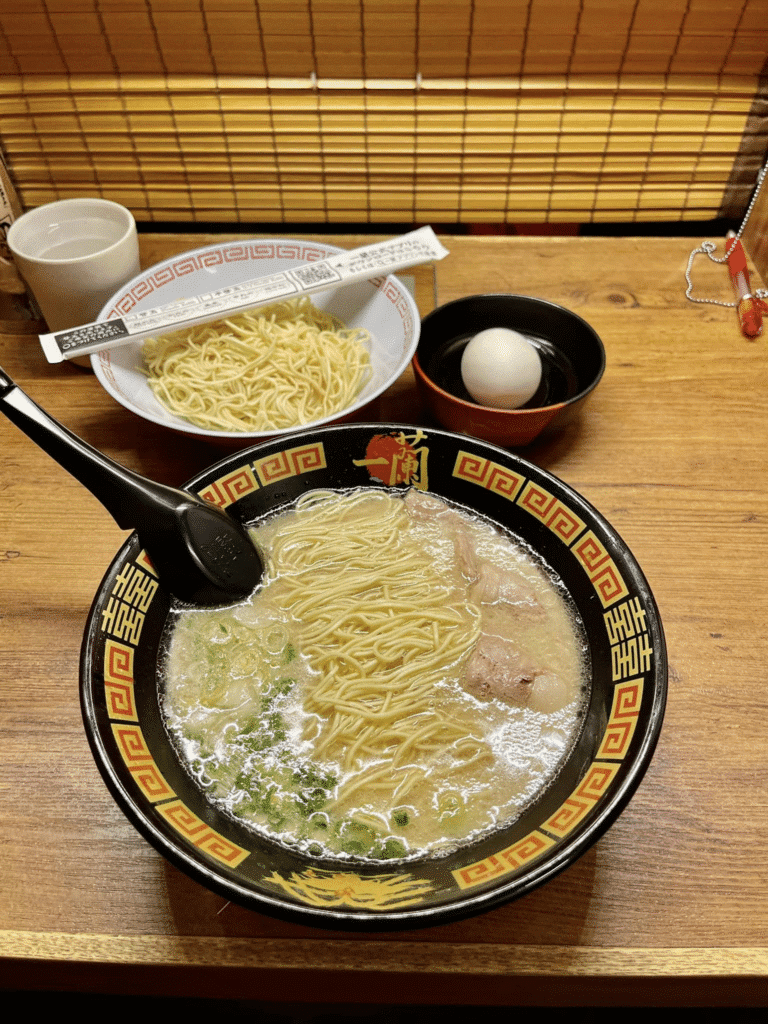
(447,687)
(305,361)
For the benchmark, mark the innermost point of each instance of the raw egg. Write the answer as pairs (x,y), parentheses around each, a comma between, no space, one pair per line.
(501,368)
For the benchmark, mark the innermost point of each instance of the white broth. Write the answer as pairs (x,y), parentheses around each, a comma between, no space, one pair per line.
(407,678)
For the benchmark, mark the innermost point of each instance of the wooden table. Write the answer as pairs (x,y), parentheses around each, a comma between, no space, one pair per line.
(671,906)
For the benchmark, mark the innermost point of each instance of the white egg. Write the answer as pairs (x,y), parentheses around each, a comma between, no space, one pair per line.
(501,368)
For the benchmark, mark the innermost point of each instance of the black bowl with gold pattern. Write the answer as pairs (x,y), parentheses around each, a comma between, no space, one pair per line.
(120,681)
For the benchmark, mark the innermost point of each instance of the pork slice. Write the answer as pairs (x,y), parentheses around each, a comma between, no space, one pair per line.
(424,506)
(466,556)
(496,670)
(490,584)
(494,585)
(427,508)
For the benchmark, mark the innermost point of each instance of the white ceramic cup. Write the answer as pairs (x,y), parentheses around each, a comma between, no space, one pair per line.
(74,254)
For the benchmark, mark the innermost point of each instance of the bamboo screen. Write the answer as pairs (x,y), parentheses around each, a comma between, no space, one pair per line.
(387,110)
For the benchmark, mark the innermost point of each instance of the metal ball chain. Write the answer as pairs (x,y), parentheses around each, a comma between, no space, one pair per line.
(708,248)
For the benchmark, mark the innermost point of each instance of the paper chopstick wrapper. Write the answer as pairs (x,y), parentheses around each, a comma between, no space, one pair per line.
(420,246)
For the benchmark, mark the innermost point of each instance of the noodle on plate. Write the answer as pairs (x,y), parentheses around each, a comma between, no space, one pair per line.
(280,366)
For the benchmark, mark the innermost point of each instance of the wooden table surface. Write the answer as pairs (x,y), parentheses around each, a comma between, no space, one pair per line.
(670,906)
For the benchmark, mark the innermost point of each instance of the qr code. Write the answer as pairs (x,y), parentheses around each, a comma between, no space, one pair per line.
(315,273)
(92,333)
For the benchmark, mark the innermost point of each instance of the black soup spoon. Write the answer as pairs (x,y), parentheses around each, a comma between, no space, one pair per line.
(202,555)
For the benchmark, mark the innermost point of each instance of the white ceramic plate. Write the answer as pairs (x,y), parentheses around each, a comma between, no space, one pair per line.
(383,305)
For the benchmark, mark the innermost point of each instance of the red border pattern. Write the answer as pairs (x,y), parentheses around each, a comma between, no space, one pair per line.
(552,512)
(291,462)
(152,783)
(119,681)
(505,861)
(490,475)
(154,280)
(631,652)
(140,763)
(390,292)
(602,570)
(230,488)
(195,831)
(625,711)
(592,788)
(133,590)
(132,745)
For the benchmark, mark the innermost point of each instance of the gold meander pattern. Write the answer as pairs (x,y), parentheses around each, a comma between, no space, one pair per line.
(631,656)
(292,462)
(505,861)
(140,763)
(590,789)
(487,474)
(201,835)
(246,479)
(230,487)
(627,701)
(122,620)
(118,681)
(322,888)
(552,512)
(601,569)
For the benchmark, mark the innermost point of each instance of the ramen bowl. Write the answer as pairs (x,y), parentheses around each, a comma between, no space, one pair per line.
(381,305)
(572,357)
(625,685)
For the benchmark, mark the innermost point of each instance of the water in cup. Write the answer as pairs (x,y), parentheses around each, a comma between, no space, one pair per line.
(75,248)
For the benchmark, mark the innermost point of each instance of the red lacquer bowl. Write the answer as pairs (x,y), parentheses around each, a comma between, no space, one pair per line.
(572,355)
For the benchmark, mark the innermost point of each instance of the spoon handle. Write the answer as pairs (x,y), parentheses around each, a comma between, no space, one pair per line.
(203,555)
(123,493)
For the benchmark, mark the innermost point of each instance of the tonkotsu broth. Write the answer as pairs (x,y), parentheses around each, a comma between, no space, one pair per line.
(328,711)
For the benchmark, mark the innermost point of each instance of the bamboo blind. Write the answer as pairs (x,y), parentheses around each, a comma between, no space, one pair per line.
(387,110)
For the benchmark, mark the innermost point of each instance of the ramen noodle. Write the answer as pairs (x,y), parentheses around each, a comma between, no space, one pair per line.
(337,711)
(281,366)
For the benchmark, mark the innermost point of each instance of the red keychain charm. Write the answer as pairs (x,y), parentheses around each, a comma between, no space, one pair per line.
(749,308)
